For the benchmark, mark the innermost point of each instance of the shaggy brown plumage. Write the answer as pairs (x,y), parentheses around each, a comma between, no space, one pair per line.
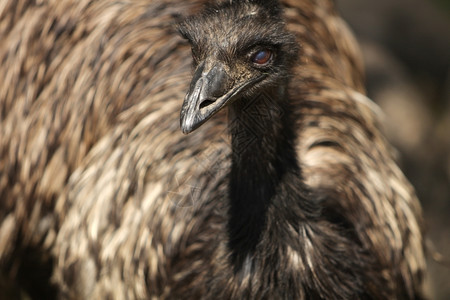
(98,182)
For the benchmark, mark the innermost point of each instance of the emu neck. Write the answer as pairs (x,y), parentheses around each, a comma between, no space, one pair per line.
(263,153)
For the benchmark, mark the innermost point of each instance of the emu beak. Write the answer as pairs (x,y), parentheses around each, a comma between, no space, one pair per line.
(210,90)
(206,96)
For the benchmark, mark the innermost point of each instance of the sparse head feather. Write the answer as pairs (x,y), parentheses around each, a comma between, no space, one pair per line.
(233,29)
(240,49)
(272,6)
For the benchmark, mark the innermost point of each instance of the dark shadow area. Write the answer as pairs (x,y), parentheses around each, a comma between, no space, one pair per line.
(32,273)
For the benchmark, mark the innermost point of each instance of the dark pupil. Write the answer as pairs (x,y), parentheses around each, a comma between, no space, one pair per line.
(262,57)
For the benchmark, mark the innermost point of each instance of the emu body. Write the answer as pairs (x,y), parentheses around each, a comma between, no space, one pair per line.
(96,174)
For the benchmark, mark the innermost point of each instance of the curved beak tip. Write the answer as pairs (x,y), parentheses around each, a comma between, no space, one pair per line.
(186,129)
(187,123)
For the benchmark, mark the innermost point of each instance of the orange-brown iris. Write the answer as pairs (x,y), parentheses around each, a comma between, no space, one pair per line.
(262,57)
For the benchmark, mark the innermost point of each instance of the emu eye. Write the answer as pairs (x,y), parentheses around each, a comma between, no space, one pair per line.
(262,57)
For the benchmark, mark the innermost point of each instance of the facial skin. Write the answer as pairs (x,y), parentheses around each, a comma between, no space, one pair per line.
(233,59)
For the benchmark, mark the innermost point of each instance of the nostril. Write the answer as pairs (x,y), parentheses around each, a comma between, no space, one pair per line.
(206,102)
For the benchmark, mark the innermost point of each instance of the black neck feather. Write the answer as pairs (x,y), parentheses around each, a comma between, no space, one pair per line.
(263,154)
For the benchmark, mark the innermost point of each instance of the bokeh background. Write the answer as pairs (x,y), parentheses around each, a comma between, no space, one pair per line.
(406,48)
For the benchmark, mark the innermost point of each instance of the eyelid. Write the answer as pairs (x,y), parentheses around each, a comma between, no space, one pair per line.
(264,46)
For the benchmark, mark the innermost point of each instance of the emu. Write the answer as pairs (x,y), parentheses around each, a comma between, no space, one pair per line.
(284,188)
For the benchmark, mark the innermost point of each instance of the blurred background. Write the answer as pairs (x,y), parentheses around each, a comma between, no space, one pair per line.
(406,48)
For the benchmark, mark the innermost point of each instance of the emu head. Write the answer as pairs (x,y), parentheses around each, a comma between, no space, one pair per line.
(239,49)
